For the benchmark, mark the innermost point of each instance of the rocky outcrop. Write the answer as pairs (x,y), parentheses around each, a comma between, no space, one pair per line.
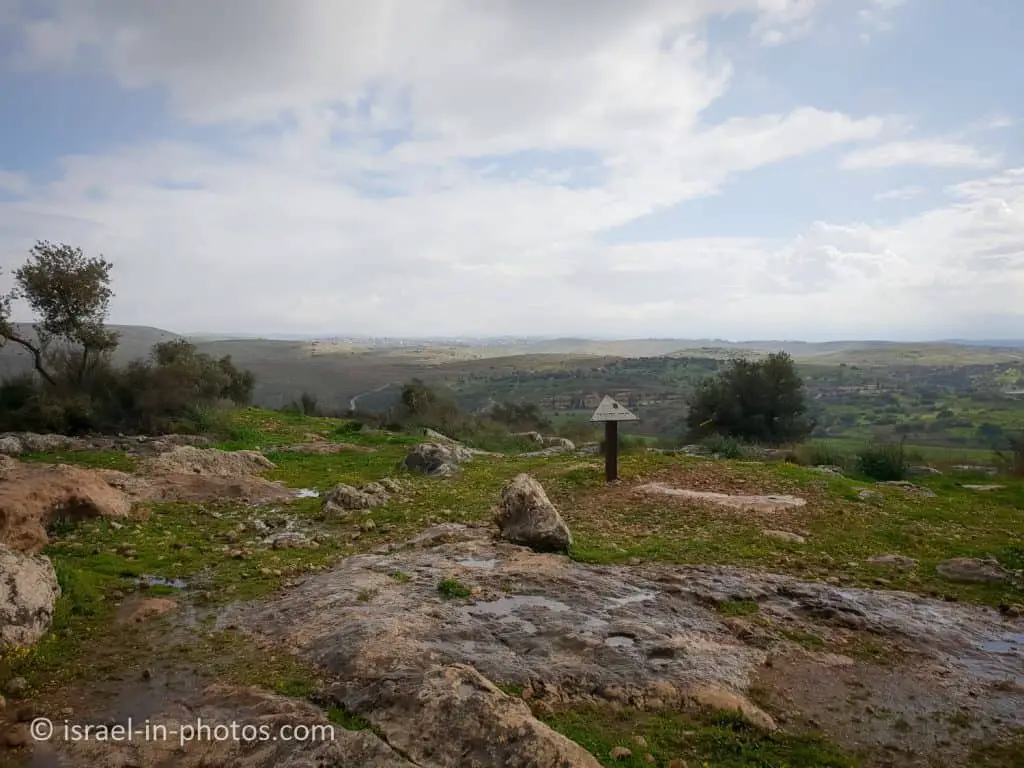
(436,459)
(17,443)
(533,437)
(209,462)
(221,705)
(32,496)
(969,569)
(322,448)
(343,500)
(903,485)
(453,716)
(526,516)
(28,592)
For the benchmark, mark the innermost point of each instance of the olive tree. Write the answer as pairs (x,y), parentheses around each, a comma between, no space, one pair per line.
(69,294)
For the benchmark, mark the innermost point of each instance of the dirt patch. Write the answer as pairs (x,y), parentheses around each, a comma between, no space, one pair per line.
(137,609)
(208,461)
(762,504)
(33,496)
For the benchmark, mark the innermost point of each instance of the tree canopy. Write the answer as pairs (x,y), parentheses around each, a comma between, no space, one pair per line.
(758,401)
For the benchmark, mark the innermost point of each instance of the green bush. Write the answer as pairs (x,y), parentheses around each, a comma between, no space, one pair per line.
(882,461)
(724,446)
(816,454)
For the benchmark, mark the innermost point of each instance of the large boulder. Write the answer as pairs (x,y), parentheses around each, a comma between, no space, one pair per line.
(28,591)
(32,496)
(436,459)
(969,569)
(526,516)
(189,460)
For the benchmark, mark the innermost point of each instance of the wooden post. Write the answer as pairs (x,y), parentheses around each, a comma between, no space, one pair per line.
(611,451)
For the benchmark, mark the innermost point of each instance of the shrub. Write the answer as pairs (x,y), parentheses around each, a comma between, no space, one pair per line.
(816,454)
(882,461)
(1012,459)
(724,446)
(450,588)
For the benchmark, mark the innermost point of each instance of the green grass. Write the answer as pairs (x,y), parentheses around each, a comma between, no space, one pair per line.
(720,740)
(452,588)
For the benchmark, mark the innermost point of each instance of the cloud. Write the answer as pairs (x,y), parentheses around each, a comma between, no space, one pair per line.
(939,154)
(428,168)
(901,193)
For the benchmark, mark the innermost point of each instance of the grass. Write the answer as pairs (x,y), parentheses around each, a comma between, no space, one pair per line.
(452,588)
(721,740)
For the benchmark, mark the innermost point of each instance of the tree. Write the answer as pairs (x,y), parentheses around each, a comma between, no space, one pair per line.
(759,401)
(69,294)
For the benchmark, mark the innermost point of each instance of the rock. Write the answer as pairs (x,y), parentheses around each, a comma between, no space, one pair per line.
(526,516)
(32,496)
(783,536)
(28,592)
(560,442)
(16,686)
(896,561)
(11,446)
(620,753)
(250,708)
(969,569)
(290,540)
(391,485)
(208,461)
(17,735)
(435,459)
(342,500)
(589,449)
(762,504)
(830,469)
(367,525)
(323,448)
(535,437)
(921,471)
(640,741)
(453,716)
(975,469)
(989,487)
(866,494)
(148,608)
(718,698)
(903,485)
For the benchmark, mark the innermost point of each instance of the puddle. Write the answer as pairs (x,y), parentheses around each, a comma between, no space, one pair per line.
(478,562)
(619,641)
(157,581)
(503,606)
(1010,642)
(637,597)
(307,493)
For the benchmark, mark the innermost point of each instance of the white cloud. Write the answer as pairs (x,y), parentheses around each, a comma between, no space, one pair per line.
(900,193)
(286,230)
(940,154)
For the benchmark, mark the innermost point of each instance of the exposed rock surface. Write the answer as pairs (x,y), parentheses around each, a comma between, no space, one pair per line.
(560,442)
(436,459)
(830,469)
(208,461)
(793,538)
(28,591)
(903,485)
(535,437)
(984,487)
(17,443)
(896,561)
(922,471)
(323,448)
(33,495)
(763,504)
(969,569)
(646,636)
(526,516)
(342,500)
(222,705)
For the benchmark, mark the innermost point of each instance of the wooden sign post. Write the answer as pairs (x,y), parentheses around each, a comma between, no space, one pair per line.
(611,413)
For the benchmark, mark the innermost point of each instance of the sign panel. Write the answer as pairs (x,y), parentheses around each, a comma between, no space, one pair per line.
(610,410)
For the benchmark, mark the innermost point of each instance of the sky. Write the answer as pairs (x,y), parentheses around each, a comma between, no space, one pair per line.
(739,169)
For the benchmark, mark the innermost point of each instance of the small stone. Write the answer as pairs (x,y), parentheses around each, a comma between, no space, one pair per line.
(368,525)
(640,741)
(621,753)
(650,759)
(16,736)
(67,712)
(783,536)
(16,686)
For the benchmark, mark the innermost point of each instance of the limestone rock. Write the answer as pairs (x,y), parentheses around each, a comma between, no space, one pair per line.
(526,516)
(454,716)
(922,471)
(969,569)
(436,459)
(28,591)
(903,485)
(560,442)
(714,697)
(535,437)
(342,500)
(783,536)
(896,561)
(208,461)
(32,496)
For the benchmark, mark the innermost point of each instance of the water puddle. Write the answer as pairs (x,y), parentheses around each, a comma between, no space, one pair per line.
(1007,643)
(504,606)
(619,641)
(307,493)
(637,597)
(478,562)
(158,581)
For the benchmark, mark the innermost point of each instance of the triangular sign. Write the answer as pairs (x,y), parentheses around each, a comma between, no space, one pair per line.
(610,410)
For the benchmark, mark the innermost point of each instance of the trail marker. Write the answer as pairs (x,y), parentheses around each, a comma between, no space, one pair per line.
(611,413)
